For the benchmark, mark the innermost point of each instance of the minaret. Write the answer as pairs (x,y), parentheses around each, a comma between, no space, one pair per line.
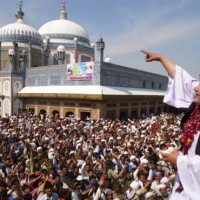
(63,13)
(13,76)
(100,49)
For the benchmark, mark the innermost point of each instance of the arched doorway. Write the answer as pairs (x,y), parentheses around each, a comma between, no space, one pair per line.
(55,113)
(85,115)
(43,112)
(68,114)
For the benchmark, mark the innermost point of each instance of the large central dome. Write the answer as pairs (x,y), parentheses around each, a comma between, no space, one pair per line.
(64,29)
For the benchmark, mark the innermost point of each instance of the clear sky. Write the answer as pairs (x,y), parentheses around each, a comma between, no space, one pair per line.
(170,27)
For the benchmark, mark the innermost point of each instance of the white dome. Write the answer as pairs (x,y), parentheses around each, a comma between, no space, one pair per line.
(107,60)
(20,32)
(63,28)
(61,48)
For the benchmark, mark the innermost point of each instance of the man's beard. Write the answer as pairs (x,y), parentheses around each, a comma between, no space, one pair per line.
(197,100)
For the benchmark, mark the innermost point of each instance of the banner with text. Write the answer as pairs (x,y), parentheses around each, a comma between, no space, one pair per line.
(80,71)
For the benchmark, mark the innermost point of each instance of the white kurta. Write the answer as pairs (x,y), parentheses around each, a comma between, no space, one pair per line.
(180,94)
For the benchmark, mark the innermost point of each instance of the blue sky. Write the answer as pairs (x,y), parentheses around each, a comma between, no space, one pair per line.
(170,27)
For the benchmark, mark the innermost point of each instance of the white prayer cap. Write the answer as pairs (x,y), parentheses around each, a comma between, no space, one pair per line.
(72,152)
(39,148)
(161,186)
(78,141)
(135,185)
(132,157)
(110,138)
(148,194)
(164,126)
(79,178)
(108,191)
(46,138)
(144,161)
(164,180)
(142,136)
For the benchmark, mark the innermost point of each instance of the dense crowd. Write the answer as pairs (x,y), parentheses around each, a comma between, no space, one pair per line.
(51,158)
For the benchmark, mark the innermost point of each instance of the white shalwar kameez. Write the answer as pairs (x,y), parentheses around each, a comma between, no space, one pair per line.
(180,94)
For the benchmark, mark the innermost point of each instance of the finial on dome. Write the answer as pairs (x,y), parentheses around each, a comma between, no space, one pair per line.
(63,4)
(63,13)
(20,13)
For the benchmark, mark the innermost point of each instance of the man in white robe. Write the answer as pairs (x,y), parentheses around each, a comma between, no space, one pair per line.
(182,90)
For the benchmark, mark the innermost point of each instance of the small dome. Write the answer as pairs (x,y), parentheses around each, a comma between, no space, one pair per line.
(60,48)
(64,29)
(20,32)
(107,60)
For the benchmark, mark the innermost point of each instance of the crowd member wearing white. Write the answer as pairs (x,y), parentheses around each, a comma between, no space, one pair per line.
(96,191)
(168,184)
(182,90)
(149,196)
(156,182)
(163,191)
(131,193)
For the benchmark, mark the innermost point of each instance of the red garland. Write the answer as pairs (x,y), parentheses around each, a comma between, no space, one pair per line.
(191,127)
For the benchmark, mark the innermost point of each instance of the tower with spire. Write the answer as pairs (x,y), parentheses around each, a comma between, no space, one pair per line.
(100,44)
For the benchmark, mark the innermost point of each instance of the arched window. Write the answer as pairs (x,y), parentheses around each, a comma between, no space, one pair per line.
(144,84)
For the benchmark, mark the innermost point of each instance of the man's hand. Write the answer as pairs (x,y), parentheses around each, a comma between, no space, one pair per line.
(171,157)
(151,56)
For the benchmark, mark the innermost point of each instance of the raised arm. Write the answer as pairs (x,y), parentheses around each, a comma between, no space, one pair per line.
(167,63)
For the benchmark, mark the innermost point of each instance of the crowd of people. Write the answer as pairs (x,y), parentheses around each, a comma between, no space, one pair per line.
(53,158)
(153,158)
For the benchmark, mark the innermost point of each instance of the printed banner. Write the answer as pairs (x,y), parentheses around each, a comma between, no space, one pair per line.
(80,71)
